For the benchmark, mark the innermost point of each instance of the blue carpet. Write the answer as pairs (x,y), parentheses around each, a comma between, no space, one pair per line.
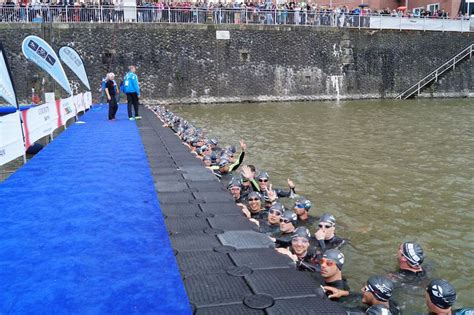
(81,229)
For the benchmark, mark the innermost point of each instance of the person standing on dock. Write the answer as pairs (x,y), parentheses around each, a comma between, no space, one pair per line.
(111,91)
(132,90)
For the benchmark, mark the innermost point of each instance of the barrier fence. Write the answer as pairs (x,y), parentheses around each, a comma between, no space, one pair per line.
(115,14)
(38,122)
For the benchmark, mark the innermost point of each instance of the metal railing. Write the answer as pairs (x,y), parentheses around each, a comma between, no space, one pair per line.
(155,14)
(433,76)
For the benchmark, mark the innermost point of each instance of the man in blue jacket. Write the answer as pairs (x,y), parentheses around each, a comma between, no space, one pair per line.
(132,90)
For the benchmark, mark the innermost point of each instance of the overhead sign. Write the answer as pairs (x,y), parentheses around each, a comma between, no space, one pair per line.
(40,52)
(73,60)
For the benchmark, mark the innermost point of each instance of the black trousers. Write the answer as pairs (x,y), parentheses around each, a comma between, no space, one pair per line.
(113,107)
(132,99)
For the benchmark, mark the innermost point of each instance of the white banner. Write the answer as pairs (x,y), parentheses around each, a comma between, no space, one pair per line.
(426,24)
(39,121)
(71,58)
(79,102)
(68,110)
(11,138)
(88,99)
(6,86)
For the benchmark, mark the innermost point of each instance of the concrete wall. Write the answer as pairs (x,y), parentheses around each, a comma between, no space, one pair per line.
(186,63)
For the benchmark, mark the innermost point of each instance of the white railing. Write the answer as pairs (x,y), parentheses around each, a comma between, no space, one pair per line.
(433,76)
(153,14)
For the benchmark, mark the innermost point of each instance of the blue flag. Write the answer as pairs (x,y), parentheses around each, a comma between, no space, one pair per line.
(38,51)
(73,60)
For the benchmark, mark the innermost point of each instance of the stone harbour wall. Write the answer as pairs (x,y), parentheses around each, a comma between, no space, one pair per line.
(178,63)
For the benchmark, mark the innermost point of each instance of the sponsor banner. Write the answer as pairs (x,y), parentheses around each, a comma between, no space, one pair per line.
(11,138)
(88,99)
(79,102)
(38,122)
(67,109)
(422,24)
(38,51)
(7,92)
(73,60)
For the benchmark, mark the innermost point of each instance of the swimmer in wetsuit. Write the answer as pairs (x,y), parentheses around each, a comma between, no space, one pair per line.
(331,271)
(440,297)
(325,235)
(271,226)
(287,226)
(301,208)
(300,251)
(410,257)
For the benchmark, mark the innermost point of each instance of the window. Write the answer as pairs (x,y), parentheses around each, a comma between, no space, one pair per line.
(432,7)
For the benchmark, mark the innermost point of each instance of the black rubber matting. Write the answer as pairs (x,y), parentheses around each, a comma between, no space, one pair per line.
(221,208)
(282,283)
(180,209)
(232,223)
(245,239)
(215,289)
(194,242)
(306,306)
(203,262)
(199,177)
(210,197)
(186,224)
(172,186)
(175,197)
(174,177)
(236,309)
(208,186)
(261,258)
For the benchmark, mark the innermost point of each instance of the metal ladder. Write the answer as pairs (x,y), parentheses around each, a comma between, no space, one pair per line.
(433,76)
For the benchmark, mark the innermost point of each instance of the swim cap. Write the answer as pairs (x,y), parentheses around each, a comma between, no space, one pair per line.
(290,215)
(278,206)
(204,148)
(254,194)
(380,287)
(263,174)
(305,203)
(206,158)
(234,182)
(327,217)
(232,149)
(413,253)
(213,141)
(336,256)
(223,162)
(213,157)
(442,293)
(378,309)
(301,232)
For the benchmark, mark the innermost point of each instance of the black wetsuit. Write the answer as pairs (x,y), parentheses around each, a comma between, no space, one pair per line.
(113,107)
(334,243)
(404,276)
(392,306)
(308,262)
(262,215)
(338,284)
(283,239)
(270,230)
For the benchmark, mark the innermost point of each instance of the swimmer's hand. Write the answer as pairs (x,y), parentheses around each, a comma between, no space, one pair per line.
(273,239)
(246,172)
(335,293)
(272,196)
(243,146)
(286,251)
(245,210)
(291,184)
(255,221)
(320,234)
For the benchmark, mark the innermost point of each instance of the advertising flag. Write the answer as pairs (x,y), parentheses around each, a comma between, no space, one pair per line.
(7,91)
(73,60)
(40,52)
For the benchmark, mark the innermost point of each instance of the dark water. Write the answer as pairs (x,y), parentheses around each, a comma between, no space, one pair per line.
(389,171)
